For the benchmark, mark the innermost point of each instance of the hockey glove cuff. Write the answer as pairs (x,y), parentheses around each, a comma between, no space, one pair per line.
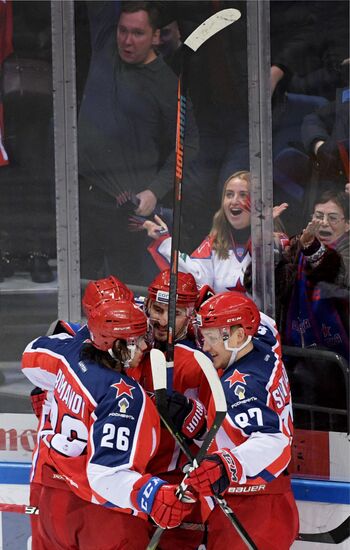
(155,497)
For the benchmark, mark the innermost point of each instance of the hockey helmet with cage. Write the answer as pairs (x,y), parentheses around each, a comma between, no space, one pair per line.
(229,309)
(110,320)
(102,289)
(187,292)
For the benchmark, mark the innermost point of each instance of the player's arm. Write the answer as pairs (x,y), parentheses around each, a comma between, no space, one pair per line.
(266,450)
(39,362)
(122,442)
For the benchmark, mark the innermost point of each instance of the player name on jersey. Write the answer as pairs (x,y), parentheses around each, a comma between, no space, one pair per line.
(65,392)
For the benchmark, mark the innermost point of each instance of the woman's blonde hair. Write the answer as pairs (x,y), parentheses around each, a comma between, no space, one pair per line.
(221,230)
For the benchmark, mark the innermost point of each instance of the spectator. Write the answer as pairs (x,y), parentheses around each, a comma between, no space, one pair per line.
(223,257)
(325,135)
(169,41)
(328,48)
(126,136)
(252,449)
(313,279)
(96,449)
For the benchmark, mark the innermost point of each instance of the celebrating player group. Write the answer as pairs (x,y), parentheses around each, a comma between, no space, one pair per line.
(106,470)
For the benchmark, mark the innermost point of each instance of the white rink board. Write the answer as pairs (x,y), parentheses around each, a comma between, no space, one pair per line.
(14,528)
(17,437)
(317,517)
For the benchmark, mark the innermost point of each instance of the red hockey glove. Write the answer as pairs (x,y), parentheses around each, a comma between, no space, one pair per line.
(37,398)
(188,415)
(215,473)
(155,497)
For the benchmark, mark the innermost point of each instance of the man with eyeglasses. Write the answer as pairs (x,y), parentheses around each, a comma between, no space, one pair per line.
(314,279)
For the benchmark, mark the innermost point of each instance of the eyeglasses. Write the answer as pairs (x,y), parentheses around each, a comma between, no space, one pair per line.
(331,218)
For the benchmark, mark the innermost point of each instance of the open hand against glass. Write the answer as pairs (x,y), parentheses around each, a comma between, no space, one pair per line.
(156,228)
(277,210)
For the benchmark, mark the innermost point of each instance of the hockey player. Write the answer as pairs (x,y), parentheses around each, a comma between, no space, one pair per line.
(109,287)
(95,291)
(189,385)
(188,378)
(95,463)
(252,449)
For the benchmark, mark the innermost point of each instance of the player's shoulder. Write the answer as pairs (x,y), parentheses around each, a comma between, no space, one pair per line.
(105,383)
(186,345)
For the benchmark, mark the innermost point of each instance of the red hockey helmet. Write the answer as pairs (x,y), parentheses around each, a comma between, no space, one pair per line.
(187,291)
(110,320)
(110,287)
(228,309)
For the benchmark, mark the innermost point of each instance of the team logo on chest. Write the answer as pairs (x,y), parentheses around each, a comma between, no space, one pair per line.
(123,405)
(240,392)
(123,389)
(237,377)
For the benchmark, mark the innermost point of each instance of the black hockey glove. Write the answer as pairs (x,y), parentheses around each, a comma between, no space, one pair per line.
(188,415)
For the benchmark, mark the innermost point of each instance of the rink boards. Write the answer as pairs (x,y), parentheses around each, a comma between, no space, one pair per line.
(323,503)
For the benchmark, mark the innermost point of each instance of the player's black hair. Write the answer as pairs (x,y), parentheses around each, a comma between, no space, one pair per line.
(90,353)
(151,8)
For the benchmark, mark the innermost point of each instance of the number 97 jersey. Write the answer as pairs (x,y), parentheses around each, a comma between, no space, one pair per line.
(258,426)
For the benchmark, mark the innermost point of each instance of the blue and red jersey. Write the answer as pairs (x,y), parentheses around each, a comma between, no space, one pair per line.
(91,434)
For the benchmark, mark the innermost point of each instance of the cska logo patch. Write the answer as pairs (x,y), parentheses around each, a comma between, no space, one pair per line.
(123,389)
(237,377)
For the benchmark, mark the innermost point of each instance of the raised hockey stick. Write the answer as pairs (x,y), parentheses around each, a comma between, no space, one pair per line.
(201,34)
(334,536)
(159,368)
(19,508)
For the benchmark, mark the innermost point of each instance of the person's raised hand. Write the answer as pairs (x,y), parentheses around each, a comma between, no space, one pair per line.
(147,204)
(155,229)
(278,209)
(310,233)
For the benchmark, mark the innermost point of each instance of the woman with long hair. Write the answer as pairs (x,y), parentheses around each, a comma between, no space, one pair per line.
(223,257)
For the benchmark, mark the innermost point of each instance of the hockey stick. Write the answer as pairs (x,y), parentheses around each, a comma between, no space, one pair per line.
(19,508)
(334,536)
(201,34)
(159,368)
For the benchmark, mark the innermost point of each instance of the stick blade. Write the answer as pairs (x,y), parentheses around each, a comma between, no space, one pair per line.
(334,536)
(217,22)
(213,379)
(159,369)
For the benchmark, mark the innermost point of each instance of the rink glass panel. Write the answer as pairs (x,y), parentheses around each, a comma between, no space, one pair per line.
(28,287)
(38,201)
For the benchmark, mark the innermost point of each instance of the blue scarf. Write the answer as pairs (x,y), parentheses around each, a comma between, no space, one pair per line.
(313,319)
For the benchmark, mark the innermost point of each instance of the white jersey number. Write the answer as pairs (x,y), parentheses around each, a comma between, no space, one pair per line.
(242,419)
(121,441)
